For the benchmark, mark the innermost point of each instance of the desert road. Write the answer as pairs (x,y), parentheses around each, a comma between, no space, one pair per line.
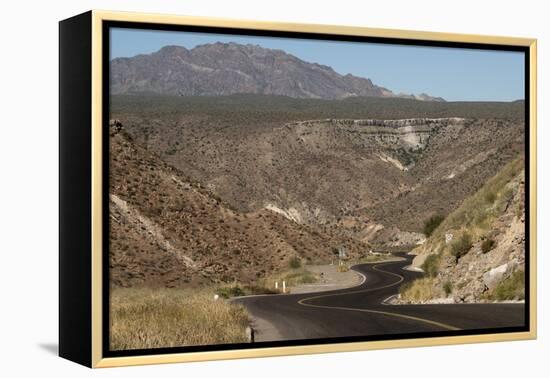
(360,311)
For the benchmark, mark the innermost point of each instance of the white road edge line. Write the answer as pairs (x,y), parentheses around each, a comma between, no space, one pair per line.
(385,301)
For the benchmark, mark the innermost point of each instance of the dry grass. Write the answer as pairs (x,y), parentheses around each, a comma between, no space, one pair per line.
(512,288)
(292,277)
(477,213)
(418,290)
(156,318)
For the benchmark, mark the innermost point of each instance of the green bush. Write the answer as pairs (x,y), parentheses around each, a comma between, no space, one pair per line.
(257,289)
(171,151)
(432,223)
(431,265)
(461,246)
(448,287)
(490,196)
(487,245)
(295,263)
(230,291)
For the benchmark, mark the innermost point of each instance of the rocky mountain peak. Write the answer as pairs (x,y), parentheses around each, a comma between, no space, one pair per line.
(171,51)
(225,68)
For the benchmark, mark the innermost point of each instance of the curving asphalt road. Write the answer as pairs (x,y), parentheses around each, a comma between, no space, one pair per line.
(359,311)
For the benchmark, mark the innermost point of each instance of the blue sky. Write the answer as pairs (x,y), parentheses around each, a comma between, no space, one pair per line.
(454,74)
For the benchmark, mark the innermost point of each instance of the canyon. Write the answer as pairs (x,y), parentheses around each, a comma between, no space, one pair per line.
(294,185)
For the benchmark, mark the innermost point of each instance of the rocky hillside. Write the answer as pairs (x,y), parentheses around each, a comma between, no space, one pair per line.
(478,252)
(229,68)
(169,230)
(389,175)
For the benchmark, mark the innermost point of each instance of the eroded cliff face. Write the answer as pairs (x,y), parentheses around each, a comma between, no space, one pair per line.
(383,123)
(392,137)
(478,252)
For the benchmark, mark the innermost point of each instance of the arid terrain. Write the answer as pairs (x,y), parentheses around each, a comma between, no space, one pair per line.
(390,175)
(226,179)
(167,230)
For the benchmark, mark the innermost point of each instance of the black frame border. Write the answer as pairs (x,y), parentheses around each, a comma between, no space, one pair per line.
(107,25)
(75,194)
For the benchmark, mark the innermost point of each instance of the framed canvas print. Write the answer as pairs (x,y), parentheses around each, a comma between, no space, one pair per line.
(235,189)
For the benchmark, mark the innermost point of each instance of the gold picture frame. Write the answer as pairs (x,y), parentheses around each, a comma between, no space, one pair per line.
(90,266)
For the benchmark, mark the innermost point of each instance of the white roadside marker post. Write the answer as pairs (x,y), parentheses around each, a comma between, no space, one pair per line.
(250,334)
(284,287)
(276,285)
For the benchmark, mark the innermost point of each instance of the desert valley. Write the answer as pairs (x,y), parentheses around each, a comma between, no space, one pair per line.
(236,166)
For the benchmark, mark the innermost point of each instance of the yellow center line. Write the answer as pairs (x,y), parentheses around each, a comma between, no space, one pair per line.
(401,279)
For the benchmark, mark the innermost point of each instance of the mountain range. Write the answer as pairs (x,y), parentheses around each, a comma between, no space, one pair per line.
(230,68)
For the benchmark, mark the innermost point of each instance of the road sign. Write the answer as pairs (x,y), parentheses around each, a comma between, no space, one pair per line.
(342,252)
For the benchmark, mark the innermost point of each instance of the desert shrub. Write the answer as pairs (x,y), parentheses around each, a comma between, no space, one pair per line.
(432,223)
(295,263)
(258,289)
(431,265)
(490,196)
(461,246)
(487,245)
(448,287)
(230,291)
(308,278)
(342,268)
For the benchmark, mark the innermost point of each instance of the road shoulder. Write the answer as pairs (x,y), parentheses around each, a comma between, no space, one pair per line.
(330,279)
